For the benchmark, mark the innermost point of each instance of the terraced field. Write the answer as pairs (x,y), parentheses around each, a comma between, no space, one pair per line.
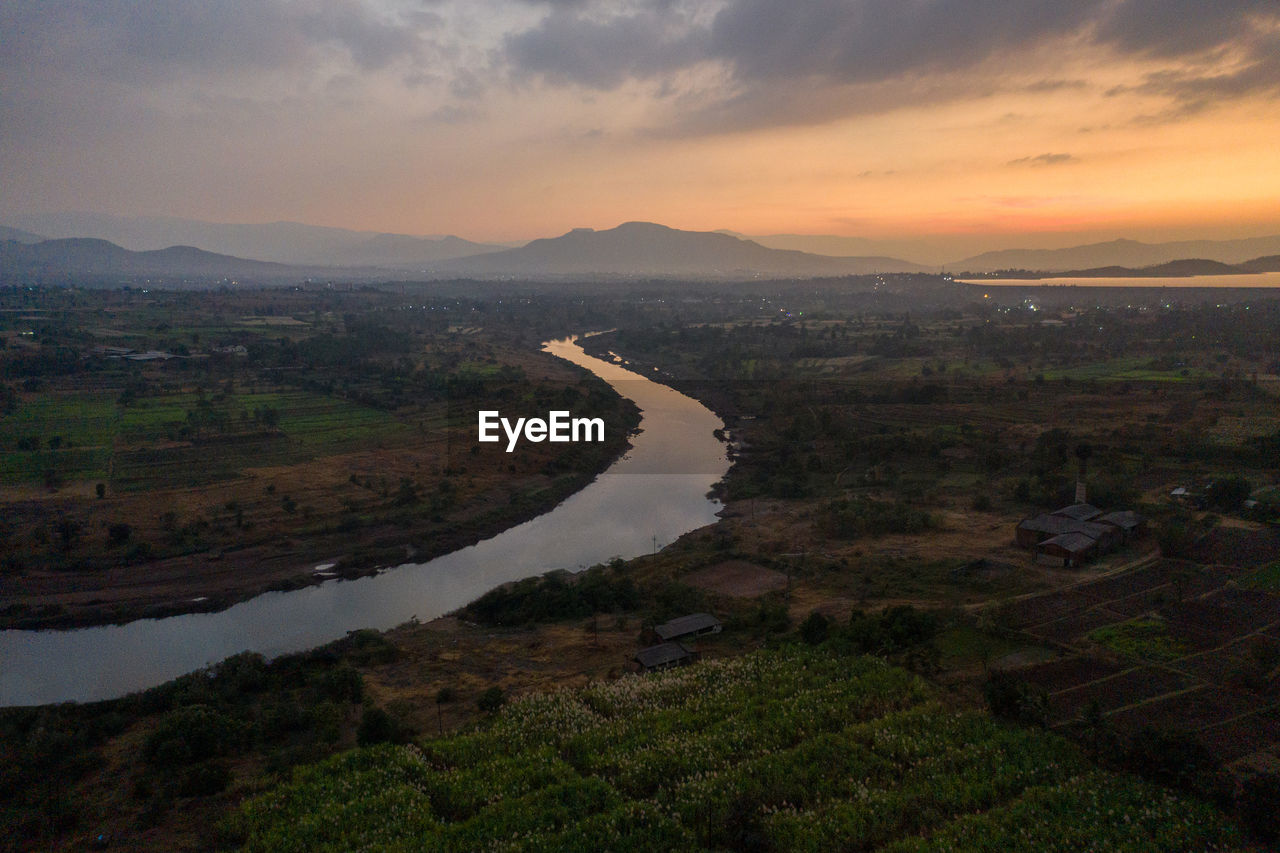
(1168,644)
(80,426)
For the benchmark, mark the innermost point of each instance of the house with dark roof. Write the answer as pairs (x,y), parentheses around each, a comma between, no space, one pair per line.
(1066,550)
(1129,523)
(1032,531)
(664,656)
(693,625)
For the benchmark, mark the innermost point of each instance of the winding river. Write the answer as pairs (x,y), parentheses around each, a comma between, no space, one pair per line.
(654,493)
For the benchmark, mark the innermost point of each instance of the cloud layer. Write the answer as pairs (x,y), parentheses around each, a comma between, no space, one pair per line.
(350,91)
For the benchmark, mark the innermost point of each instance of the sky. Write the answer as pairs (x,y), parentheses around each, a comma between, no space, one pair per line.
(973,124)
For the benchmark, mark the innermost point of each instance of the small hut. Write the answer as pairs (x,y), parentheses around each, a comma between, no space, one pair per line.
(693,625)
(664,656)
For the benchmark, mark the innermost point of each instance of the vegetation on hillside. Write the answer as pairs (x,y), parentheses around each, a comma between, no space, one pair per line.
(792,749)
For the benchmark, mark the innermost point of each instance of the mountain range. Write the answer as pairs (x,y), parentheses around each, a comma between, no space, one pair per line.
(91,258)
(1121,253)
(92,244)
(282,242)
(647,249)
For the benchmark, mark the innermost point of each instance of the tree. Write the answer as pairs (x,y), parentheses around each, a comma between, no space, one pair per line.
(814,629)
(1229,493)
(443,696)
(118,534)
(491,700)
(376,726)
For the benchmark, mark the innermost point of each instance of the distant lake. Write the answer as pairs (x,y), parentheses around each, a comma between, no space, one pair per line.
(1262,279)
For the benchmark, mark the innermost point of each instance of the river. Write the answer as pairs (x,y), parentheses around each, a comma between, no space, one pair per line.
(654,493)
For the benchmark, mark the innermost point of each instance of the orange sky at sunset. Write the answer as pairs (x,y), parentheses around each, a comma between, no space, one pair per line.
(960,126)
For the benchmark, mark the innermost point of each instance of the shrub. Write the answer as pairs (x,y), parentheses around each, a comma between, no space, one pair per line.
(491,700)
(815,628)
(192,734)
(376,726)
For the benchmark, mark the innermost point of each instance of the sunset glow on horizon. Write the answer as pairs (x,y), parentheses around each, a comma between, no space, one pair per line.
(951,126)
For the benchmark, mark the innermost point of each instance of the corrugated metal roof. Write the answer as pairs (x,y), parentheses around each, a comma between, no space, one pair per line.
(1126,519)
(1056,524)
(1079,512)
(1076,543)
(663,654)
(695,623)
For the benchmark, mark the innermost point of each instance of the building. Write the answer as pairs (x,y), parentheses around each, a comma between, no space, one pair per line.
(664,656)
(1129,523)
(693,625)
(1032,531)
(1079,512)
(1066,550)
(1074,534)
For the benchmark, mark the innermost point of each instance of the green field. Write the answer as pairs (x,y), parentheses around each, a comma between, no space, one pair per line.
(82,424)
(140,447)
(1134,369)
(1146,639)
(1266,578)
(796,749)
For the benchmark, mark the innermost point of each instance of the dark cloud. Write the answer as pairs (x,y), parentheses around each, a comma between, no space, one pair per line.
(572,47)
(1041,86)
(129,40)
(1197,87)
(777,55)
(1179,28)
(874,40)
(1043,160)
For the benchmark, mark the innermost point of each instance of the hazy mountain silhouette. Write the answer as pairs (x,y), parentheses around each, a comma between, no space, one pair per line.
(282,242)
(820,244)
(19,235)
(1184,268)
(1123,253)
(647,249)
(93,258)
(1270,263)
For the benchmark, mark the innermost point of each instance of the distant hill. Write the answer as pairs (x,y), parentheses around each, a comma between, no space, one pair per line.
(92,258)
(818,244)
(1184,268)
(282,242)
(1120,253)
(19,235)
(1270,263)
(1172,269)
(647,249)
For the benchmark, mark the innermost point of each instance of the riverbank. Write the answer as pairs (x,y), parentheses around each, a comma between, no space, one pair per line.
(486,498)
(211,582)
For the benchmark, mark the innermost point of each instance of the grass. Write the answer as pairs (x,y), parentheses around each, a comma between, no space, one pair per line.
(1144,638)
(1133,368)
(965,645)
(84,424)
(310,425)
(81,420)
(1266,579)
(136,443)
